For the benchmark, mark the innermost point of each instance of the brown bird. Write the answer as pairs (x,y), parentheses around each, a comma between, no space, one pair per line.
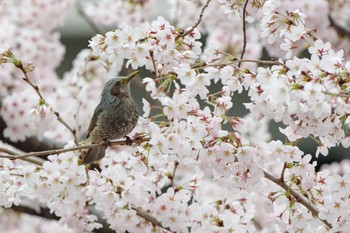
(114,117)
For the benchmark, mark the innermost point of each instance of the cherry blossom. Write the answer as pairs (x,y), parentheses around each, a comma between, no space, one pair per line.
(195,165)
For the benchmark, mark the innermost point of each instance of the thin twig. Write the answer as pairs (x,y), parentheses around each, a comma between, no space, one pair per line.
(40,212)
(25,69)
(143,214)
(264,62)
(45,212)
(60,151)
(298,198)
(81,12)
(37,90)
(7,151)
(48,152)
(283,171)
(176,164)
(154,64)
(19,65)
(337,94)
(36,161)
(189,31)
(244,31)
(11,154)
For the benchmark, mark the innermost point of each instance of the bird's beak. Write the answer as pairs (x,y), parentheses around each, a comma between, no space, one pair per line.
(130,76)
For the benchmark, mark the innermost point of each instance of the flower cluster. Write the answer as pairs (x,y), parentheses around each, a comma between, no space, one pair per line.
(194,165)
(304,94)
(20,121)
(32,39)
(284,24)
(158,46)
(11,221)
(56,185)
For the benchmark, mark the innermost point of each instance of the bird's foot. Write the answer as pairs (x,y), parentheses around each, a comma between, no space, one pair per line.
(105,142)
(128,141)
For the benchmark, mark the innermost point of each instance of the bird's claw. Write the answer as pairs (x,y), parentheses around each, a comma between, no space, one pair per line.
(128,141)
(106,143)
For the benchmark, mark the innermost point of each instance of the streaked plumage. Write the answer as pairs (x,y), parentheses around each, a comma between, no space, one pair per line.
(114,117)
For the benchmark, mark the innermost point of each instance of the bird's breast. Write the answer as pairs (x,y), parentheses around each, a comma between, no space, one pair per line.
(117,120)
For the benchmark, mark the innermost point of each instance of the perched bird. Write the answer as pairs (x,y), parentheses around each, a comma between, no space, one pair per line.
(114,117)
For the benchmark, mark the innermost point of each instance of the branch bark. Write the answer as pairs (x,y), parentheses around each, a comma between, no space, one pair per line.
(60,151)
(11,154)
(299,198)
(244,31)
(45,213)
(338,28)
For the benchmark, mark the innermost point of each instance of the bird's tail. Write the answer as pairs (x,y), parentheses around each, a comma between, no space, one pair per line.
(94,154)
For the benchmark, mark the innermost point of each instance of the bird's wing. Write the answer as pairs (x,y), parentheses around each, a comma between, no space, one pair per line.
(101,107)
(94,118)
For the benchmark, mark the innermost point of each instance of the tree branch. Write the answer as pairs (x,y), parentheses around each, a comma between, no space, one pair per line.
(10,58)
(298,198)
(338,28)
(11,154)
(7,151)
(138,140)
(264,62)
(81,12)
(283,171)
(189,31)
(172,177)
(46,213)
(244,31)
(58,117)
(337,94)
(43,212)
(143,214)
(154,64)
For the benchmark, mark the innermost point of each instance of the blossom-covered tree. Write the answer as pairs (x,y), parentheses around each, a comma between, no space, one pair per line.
(193,166)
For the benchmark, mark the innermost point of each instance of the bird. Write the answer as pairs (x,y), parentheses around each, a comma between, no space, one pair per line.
(114,117)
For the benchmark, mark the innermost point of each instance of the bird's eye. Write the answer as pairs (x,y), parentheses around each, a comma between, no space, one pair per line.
(117,83)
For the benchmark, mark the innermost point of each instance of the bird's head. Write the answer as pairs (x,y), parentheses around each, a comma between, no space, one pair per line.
(120,87)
